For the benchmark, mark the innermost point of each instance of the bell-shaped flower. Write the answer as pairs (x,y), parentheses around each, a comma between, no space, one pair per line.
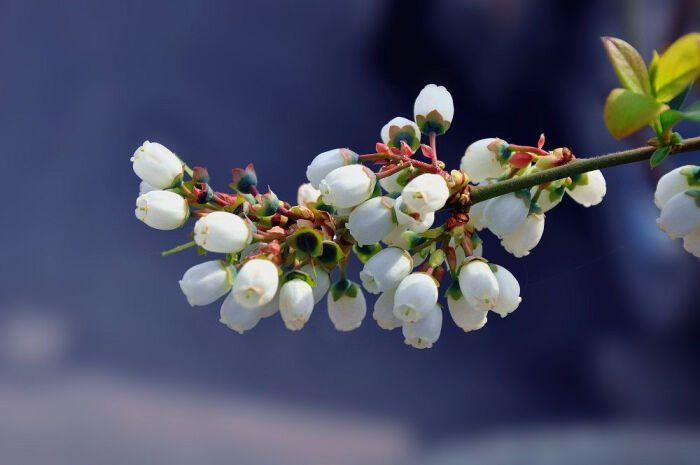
(256,283)
(674,182)
(307,194)
(204,283)
(346,305)
(521,241)
(550,197)
(415,297)
(463,313)
(237,317)
(399,130)
(386,269)
(485,159)
(372,220)
(394,182)
(477,251)
(422,334)
(347,186)
(508,291)
(476,215)
(409,219)
(272,307)
(158,166)
(691,243)
(504,214)
(162,210)
(406,239)
(478,285)
(588,188)
(326,162)
(680,215)
(433,109)
(321,278)
(384,311)
(222,232)
(426,193)
(296,303)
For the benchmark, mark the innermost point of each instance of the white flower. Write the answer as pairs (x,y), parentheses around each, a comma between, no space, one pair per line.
(415,297)
(526,237)
(296,303)
(478,285)
(433,109)
(144,188)
(162,210)
(391,183)
(476,215)
(238,317)
(464,315)
(679,180)
(204,283)
(157,165)
(222,232)
(322,279)
(508,291)
(588,188)
(482,159)
(372,220)
(256,283)
(346,305)
(691,242)
(426,193)
(549,197)
(401,129)
(385,270)
(405,239)
(680,215)
(424,333)
(504,214)
(307,194)
(460,252)
(384,311)
(270,308)
(347,186)
(326,162)
(416,222)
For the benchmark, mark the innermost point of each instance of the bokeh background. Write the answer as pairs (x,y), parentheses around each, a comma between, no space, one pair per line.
(101,358)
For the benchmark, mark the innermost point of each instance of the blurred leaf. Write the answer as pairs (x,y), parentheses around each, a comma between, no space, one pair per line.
(628,64)
(653,67)
(677,67)
(659,155)
(672,117)
(626,112)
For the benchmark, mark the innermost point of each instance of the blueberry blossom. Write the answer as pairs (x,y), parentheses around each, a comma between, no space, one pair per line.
(415,296)
(462,312)
(384,311)
(587,189)
(222,232)
(386,269)
(478,285)
(433,109)
(326,162)
(158,166)
(256,283)
(426,193)
(321,278)
(674,182)
(307,194)
(680,215)
(399,130)
(414,221)
(506,213)
(206,282)
(347,186)
(485,159)
(346,305)
(422,334)
(296,303)
(521,241)
(372,220)
(162,210)
(508,291)
(237,317)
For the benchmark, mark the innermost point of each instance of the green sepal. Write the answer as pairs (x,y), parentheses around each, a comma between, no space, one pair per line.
(237,203)
(244,179)
(393,195)
(535,208)
(525,195)
(433,233)
(344,287)
(297,274)
(432,122)
(269,204)
(365,252)
(323,207)
(377,192)
(578,180)
(232,258)
(403,133)
(332,254)
(201,251)
(694,193)
(692,173)
(437,258)
(307,242)
(492,267)
(454,291)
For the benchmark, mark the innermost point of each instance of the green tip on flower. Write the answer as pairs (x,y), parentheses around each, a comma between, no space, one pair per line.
(307,242)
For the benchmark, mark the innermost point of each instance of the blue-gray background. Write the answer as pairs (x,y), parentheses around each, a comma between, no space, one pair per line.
(93,324)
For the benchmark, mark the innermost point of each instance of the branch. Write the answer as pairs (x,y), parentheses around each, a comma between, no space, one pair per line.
(577,166)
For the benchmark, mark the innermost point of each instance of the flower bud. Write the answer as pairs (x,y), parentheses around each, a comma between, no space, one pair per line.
(415,297)
(157,165)
(322,279)
(296,303)
(238,317)
(222,232)
(521,241)
(346,305)
(326,162)
(484,159)
(256,283)
(244,179)
(504,214)
(372,220)
(386,269)
(401,129)
(508,291)
(424,333)
(691,243)
(411,220)
(680,215)
(384,311)
(426,193)
(307,194)
(588,188)
(463,314)
(478,285)
(679,180)
(433,109)
(347,186)
(162,210)
(204,283)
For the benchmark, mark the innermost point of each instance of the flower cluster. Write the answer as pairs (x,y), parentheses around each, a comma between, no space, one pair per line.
(282,257)
(678,197)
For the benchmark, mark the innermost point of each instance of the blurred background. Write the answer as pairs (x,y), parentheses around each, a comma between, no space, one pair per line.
(103,361)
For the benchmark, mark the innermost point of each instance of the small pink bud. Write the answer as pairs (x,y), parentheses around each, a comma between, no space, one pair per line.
(540,143)
(406,149)
(427,151)
(382,148)
(520,159)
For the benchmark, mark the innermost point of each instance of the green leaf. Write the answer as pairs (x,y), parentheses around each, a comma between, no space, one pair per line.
(692,112)
(671,117)
(677,67)
(628,64)
(627,112)
(659,155)
(653,67)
